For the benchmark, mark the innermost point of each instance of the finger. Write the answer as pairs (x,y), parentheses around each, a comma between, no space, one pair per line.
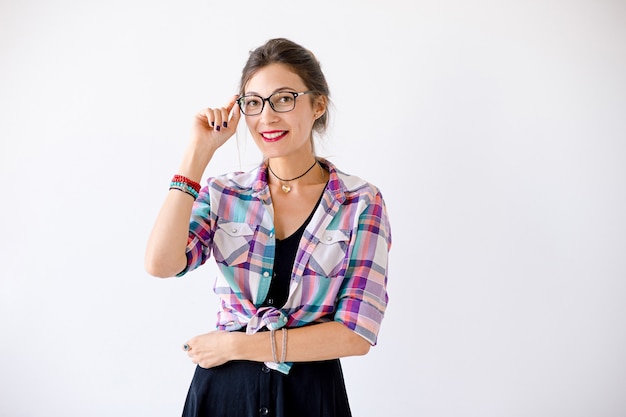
(231,103)
(224,116)
(207,116)
(235,111)
(218,119)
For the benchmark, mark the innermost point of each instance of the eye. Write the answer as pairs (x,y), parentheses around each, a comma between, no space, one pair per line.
(284,98)
(252,101)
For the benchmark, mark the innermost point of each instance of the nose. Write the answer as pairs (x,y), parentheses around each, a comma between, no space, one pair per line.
(268,114)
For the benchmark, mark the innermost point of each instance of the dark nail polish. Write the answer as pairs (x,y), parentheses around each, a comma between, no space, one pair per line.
(217,128)
(212,123)
(225,125)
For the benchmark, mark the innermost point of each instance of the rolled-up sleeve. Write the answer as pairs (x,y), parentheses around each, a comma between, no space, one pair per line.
(200,233)
(362,299)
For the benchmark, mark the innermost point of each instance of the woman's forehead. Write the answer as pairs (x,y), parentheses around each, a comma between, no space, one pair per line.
(272,78)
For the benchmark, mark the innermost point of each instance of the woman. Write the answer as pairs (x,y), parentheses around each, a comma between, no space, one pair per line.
(302,249)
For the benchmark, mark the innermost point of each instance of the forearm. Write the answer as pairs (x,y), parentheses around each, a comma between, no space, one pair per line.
(316,342)
(165,252)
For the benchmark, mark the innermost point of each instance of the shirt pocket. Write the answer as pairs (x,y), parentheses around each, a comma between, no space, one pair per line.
(232,242)
(330,252)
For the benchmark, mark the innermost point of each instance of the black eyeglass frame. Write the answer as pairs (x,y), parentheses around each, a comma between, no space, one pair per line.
(263,100)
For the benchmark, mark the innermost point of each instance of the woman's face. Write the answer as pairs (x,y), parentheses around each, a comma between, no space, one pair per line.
(282,134)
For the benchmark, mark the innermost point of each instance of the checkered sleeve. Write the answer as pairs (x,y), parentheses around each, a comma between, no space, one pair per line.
(200,233)
(362,299)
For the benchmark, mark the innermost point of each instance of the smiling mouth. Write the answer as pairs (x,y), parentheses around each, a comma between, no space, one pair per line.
(274,135)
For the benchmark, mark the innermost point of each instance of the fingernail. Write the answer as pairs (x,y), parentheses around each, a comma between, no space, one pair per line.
(225,125)
(212,123)
(217,128)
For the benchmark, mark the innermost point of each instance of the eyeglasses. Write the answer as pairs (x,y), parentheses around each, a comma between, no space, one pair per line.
(280,102)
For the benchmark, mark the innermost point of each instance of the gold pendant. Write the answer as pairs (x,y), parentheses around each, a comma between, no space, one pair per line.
(285,187)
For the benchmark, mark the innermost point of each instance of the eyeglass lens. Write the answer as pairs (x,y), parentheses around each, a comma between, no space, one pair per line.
(282,101)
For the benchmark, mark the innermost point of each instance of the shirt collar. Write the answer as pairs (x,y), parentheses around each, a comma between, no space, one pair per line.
(256,180)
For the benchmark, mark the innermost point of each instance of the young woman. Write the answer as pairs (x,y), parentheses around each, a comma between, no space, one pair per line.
(301,246)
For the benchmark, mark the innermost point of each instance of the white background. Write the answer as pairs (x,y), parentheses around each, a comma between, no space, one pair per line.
(495,129)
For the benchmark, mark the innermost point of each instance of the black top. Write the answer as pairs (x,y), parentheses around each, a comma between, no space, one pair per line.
(284,259)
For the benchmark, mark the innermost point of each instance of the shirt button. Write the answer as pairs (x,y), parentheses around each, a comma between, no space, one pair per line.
(266,274)
(234,230)
(285,319)
(329,238)
(264,411)
(271,234)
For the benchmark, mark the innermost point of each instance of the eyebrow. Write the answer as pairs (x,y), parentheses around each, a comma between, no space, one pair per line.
(275,91)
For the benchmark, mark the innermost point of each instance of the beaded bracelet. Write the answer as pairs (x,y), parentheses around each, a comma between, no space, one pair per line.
(185,185)
(187,189)
(184,180)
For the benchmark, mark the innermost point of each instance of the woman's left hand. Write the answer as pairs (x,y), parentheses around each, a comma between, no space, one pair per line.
(211,349)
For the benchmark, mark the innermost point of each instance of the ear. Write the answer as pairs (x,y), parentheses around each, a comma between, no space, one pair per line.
(319,106)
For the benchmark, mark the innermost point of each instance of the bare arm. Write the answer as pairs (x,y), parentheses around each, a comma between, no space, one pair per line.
(165,251)
(310,343)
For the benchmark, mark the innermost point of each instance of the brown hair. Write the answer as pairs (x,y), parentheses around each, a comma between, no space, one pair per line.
(300,60)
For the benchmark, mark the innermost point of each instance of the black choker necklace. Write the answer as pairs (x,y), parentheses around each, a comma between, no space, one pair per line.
(286,187)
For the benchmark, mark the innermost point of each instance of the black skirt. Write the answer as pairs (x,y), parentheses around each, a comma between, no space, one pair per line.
(250,389)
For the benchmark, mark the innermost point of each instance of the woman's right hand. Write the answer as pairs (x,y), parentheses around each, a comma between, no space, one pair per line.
(212,127)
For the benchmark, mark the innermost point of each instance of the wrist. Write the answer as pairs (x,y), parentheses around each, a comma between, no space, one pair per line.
(251,347)
(235,345)
(195,162)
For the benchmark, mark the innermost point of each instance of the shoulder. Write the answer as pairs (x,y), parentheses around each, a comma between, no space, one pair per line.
(363,199)
(350,185)
(236,180)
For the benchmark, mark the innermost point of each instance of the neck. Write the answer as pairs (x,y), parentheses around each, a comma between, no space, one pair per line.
(286,181)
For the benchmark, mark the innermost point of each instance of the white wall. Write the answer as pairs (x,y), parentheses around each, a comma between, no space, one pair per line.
(496,131)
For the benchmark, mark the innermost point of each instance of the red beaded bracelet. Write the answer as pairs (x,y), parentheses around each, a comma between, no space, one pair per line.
(187,181)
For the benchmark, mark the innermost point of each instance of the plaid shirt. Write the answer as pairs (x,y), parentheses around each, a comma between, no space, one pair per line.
(340,270)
